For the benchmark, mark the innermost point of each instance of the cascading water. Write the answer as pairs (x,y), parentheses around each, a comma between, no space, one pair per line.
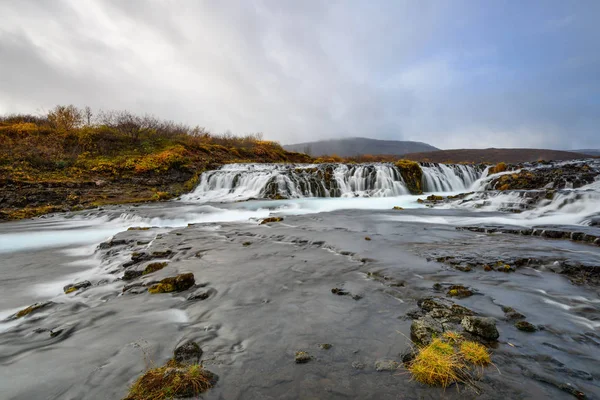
(277,181)
(449,177)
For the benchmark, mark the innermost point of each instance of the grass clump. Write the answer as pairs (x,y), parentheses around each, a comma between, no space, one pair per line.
(437,365)
(475,353)
(172,380)
(449,359)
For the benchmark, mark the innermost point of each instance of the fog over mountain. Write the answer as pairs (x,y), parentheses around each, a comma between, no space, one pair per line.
(459,74)
(358,146)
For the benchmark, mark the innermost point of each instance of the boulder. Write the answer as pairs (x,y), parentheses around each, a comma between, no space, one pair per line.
(423,329)
(480,326)
(188,353)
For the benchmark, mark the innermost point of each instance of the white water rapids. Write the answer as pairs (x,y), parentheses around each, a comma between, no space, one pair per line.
(236,182)
(220,195)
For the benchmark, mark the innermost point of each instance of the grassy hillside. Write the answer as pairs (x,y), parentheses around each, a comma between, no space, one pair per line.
(492,155)
(73,159)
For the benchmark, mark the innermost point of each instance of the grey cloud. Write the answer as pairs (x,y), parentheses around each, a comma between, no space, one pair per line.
(299,71)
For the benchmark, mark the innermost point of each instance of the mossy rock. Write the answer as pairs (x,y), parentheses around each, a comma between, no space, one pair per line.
(459,291)
(270,220)
(412,174)
(153,267)
(525,326)
(31,309)
(73,287)
(177,283)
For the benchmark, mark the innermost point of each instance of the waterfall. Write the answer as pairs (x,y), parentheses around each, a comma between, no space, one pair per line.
(449,177)
(234,182)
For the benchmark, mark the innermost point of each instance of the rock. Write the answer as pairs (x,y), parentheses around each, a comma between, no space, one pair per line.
(202,294)
(174,284)
(30,310)
(76,286)
(270,220)
(480,326)
(414,313)
(423,329)
(386,365)
(358,365)
(441,308)
(408,356)
(188,353)
(367,238)
(511,314)
(397,208)
(153,267)
(131,274)
(459,291)
(302,357)
(525,326)
(325,346)
(339,292)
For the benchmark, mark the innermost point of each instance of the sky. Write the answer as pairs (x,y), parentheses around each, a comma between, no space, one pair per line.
(454,74)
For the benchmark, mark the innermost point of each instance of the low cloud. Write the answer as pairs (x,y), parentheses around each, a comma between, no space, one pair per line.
(459,75)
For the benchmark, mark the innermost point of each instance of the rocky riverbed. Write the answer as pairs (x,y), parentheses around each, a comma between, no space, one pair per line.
(304,298)
(261,293)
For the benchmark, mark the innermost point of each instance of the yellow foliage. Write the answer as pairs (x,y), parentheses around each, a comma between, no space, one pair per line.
(475,353)
(500,167)
(173,380)
(437,365)
(448,360)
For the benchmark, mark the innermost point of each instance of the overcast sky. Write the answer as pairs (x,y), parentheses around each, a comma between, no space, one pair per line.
(450,73)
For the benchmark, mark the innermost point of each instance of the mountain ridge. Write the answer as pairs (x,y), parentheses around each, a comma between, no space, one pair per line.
(349,147)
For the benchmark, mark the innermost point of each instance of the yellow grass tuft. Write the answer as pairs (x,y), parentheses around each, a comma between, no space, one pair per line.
(475,353)
(437,365)
(172,380)
(447,360)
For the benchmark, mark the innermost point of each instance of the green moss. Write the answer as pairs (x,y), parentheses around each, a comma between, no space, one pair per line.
(270,220)
(173,284)
(30,309)
(412,174)
(153,267)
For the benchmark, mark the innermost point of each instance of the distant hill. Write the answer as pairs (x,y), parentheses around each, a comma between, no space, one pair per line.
(590,152)
(350,147)
(493,155)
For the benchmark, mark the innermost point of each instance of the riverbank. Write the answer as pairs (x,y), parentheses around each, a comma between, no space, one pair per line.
(68,161)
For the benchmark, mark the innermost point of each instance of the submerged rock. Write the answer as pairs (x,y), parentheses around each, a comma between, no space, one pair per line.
(270,220)
(30,310)
(386,365)
(325,346)
(302,357)
(525,326)
(481,326)
(177,283)
(459,291)
(76,286)
(188,353)
(131,274)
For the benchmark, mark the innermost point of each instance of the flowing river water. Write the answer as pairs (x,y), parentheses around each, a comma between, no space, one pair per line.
(266,289)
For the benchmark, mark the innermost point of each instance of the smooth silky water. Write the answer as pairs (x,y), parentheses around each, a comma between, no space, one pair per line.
(272,296)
